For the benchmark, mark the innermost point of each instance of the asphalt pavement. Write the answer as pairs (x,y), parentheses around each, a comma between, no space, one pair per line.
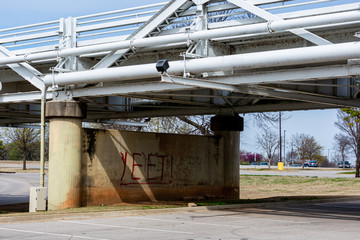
(304,220)
(15,188)
(331,220)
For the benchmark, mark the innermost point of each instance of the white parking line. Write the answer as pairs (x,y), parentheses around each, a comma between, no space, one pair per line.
(266,219)
(192,222)
(50,234)
(126,227)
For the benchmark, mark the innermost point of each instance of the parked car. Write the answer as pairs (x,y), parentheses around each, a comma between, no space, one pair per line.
(306,164)
(254,163)
(313,163)
(346,163)
(264,164)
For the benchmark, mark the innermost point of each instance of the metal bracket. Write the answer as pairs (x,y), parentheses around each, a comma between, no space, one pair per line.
(65,94)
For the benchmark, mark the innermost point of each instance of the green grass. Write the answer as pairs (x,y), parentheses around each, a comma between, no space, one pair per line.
(268,186)
(348,173)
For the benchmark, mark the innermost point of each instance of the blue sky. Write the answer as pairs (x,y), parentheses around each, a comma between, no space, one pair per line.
(318,123)
(23,12)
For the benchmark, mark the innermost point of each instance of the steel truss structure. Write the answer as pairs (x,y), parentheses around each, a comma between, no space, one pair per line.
(225,57)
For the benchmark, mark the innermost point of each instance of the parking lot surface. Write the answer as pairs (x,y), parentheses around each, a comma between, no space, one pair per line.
(313,221)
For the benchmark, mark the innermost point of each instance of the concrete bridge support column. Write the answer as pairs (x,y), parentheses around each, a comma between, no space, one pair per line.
(65,153)
(229,127)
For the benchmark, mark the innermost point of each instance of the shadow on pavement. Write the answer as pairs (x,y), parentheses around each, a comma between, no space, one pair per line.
(336,207)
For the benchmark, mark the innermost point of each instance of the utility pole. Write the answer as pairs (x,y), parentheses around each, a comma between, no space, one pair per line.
(280,158)
(284,147)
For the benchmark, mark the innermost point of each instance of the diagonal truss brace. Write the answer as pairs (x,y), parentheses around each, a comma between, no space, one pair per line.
(252,90)
(271,17)
(149,29)
(24,69)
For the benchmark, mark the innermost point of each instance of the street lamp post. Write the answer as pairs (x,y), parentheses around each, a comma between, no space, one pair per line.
(280,158)
(284,146)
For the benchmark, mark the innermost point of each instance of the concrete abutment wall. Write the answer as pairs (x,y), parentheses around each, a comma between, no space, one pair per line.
(91,167)
(122,166)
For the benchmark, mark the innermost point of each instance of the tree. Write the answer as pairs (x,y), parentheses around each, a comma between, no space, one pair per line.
(25,139)
(268,141)
(250,157)
(307,147)
(200,124)
(3,150)
(292,156)
(326,163)
(348,123)
(342,146)
(168,125)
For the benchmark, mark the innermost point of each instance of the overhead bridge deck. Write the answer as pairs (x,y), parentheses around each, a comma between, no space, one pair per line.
(225,57)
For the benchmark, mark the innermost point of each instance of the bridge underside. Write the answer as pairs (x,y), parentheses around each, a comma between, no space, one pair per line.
(225,58)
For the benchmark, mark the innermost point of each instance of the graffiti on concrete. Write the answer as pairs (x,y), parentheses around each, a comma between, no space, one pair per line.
(152,168)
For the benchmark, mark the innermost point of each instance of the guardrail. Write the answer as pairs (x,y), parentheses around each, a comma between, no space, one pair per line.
(118,25)
(47,36)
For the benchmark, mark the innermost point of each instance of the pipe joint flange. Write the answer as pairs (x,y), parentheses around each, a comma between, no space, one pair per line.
(131,45)
(26,58)
(270,30)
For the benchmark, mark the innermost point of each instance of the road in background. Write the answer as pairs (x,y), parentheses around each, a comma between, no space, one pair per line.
(307,172)
(19,164)
(15,188)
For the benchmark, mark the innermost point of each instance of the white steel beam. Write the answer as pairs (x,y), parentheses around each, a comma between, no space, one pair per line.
(298,74)
(316,73)
(159,20)
(283,106)
(199,83)
(24,70)
(195,36)
(287,57)
(271,17)
(288,95)
(127,89)
(23,97)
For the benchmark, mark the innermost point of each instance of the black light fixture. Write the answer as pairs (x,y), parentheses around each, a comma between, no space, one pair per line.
(162,65)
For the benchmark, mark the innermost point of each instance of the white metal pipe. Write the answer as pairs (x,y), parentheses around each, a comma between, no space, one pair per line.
(123,10)
(195,36)
(286,57)
(29,26)
(118,17)
(42,138)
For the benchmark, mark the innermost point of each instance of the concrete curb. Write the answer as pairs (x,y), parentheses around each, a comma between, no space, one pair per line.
(18,218)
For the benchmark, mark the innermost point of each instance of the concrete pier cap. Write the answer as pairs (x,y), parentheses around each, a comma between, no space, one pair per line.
(66,109)
(65,141)
(229,127)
